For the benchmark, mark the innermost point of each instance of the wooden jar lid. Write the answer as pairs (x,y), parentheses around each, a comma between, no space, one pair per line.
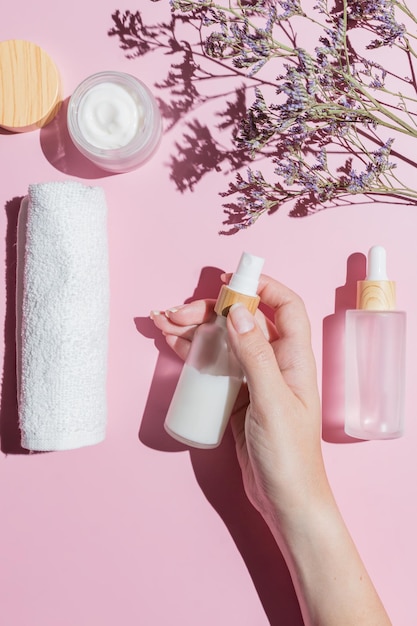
(30,86)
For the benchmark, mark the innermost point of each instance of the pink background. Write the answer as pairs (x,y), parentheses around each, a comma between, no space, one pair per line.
(138,530)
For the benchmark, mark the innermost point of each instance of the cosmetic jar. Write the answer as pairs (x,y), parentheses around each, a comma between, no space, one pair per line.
(30,86)
(114,120)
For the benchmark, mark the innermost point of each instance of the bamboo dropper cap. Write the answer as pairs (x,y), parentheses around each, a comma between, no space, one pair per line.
(376,293)
(30,85)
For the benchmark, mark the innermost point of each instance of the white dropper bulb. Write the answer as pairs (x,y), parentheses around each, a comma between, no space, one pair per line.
(377,264)
(376,292)
(245,279)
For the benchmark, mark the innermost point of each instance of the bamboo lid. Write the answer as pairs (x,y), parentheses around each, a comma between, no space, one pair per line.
(30,86)
(227,297)
(376,292)
(375,295)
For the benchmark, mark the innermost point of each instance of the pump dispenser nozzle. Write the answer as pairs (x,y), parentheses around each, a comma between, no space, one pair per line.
(245,279)
(242,286)
(376,292)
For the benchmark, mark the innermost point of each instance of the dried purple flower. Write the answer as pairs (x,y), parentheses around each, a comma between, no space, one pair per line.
(327,97)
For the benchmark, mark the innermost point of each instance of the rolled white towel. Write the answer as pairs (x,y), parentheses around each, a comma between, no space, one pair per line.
(62,316)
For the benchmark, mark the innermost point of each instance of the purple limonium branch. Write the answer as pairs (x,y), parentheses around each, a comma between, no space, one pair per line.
(329,121)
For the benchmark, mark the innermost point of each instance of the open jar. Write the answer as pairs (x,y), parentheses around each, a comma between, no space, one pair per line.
(114,120)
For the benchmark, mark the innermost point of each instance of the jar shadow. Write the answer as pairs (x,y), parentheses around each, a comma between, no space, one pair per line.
(59,150)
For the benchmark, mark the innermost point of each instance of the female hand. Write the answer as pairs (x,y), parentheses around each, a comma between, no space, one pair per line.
(277,428)
(276,421)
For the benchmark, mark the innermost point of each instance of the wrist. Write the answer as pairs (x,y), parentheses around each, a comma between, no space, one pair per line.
(296,494)
(300,508)
(328,574)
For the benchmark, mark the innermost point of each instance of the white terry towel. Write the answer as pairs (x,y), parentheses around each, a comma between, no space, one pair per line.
(62,316)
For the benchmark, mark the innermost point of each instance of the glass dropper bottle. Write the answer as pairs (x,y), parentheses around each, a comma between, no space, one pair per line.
(375,338)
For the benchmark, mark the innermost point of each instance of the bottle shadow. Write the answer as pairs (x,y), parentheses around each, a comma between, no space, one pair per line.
(167,371)
(9,418)
(333,376)
(218,474)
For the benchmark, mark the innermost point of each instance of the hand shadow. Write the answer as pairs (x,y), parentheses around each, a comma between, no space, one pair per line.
(333,377)
(9,419)
(218,474)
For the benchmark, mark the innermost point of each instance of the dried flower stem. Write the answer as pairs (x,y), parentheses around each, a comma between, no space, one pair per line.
(327,95)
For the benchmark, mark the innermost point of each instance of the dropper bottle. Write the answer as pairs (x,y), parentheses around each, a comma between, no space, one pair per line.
(211,376)
(375,337)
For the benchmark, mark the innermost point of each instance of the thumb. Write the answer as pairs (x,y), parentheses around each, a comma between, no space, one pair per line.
(255,355)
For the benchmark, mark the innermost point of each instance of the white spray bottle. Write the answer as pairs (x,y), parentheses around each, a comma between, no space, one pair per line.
(211,377)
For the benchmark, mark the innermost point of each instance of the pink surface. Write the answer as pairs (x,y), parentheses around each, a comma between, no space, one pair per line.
(138,530)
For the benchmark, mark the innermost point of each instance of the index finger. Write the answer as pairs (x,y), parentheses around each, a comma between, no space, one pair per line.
(293,348)
(290,315)
(289,312)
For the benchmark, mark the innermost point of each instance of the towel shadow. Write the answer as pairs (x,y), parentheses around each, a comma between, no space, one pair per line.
(9,420)
(60,151)
(333,398)
(218,474)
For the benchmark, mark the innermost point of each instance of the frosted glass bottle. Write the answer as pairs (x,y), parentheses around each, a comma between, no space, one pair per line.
(207,388)
(375,339)
(211,376)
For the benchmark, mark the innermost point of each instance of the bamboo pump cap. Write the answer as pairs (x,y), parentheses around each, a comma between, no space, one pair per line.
(228,297)
(242,286)
(30,86)
(376,293)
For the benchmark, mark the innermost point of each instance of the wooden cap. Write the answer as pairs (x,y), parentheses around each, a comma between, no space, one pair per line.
(227,297)
(375,295)
(30,86)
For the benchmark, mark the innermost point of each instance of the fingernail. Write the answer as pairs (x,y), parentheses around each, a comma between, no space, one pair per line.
(242,319)
(173,309)
(154,314)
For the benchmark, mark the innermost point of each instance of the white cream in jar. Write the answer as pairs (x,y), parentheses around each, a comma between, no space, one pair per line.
(114,120)
(109,117)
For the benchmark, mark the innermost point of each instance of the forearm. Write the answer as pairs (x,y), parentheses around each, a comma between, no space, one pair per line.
(329,576)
